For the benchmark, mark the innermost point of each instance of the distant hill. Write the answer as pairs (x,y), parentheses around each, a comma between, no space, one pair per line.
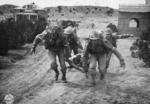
(68,12)
(80,11)
(6,11)
(7,8)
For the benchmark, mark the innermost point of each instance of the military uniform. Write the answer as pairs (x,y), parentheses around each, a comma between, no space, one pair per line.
(73,39)
(55,44)
(112,38)
(98,55)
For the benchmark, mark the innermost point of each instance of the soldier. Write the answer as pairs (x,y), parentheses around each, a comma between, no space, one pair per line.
(73,39)
(112,38)
(55,43)
(95,50)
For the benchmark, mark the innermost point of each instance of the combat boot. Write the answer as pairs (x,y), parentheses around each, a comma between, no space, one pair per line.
(102,75)
(64,77)
(56,74)
(93,81)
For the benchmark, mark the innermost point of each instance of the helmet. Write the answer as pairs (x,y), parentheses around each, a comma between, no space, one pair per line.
(100,32)
(94,35)
(107,31)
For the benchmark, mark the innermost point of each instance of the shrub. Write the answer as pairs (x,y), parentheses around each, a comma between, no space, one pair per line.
(4,39)
(144,48)
(110,12)
(33,29)
(143,43)
(1,13)
(14,34)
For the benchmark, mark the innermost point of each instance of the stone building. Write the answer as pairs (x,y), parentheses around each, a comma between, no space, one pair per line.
(133,19)
(30,11)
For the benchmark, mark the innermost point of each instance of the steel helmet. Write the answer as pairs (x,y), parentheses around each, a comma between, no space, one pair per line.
(94,35)
(107,31)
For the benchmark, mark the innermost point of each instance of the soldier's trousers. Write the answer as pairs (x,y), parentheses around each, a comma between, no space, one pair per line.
(108,57)
(101,59)
(53,62)
(73,48)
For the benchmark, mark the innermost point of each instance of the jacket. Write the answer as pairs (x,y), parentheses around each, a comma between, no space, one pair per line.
(43,36)
(73,39)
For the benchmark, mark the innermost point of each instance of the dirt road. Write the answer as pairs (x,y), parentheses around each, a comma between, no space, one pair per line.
(31,82)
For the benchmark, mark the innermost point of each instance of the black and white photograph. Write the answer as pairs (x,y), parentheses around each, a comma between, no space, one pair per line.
(75,52)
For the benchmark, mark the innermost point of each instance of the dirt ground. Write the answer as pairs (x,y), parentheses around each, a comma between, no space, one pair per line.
(29,79)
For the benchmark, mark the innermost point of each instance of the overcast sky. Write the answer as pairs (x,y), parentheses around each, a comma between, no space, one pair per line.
(48,3)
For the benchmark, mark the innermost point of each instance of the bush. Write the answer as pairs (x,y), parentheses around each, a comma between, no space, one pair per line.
(110,12)
(4,39)
(143,43)
(35,28)
(14,34)
(15,31)
(144,47)
(1,13)
(113,27)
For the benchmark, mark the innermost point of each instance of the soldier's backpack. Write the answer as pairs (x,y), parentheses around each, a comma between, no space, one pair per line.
(54,37)
(96,46)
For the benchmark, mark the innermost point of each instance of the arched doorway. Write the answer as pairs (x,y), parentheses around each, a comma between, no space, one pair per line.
(134,23)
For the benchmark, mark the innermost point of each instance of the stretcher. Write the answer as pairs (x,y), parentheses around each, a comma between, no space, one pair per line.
(76,62)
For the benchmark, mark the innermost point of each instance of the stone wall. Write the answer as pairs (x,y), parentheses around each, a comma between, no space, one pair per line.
(124,19)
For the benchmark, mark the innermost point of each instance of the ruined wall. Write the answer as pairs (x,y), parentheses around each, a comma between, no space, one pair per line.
(124,19)
(147,1)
